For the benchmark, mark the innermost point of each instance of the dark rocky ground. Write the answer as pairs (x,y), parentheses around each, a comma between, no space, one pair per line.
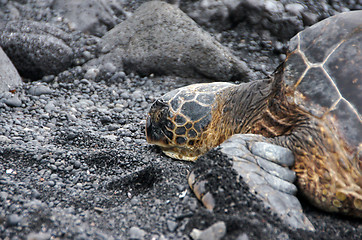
(75,163)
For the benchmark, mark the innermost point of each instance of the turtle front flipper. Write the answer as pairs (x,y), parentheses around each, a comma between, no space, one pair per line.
(267,176)
(327,167)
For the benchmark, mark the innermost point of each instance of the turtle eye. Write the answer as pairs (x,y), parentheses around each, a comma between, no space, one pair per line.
(159,110)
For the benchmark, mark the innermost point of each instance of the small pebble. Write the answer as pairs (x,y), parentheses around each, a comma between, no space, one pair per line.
(171,225)
(109,67)
(136,233)
(51,183)
(4,139)
(214,232)
(112,127)
(110,137)
(39,236)
(91,73)
(122,75)
(35,193)
(39,90)
(13,220)
(294,8)
(13,102)
(243,236)
(283,236)
(48,78)
(3,196)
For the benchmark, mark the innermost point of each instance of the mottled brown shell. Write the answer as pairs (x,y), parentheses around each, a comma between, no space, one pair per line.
(323,71)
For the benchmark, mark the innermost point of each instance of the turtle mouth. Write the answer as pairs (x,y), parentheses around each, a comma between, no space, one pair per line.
(155,135)
(180,153)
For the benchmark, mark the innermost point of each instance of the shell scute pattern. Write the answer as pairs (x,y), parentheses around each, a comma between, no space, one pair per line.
(196,110)
(174,104)
(169,134)
(331,55)
(320,39)
(322,92)
(348,124)
(180,140)
(179,119)
(295,68)
(167,97)
(180,130)
(202,123)
(348,54)
(308,93)
(191,133)
(205,98)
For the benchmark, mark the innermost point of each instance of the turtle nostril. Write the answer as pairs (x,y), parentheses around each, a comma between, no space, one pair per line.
(160,103)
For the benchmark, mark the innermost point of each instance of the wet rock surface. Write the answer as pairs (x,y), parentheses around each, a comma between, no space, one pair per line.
(186,51)
(35,48)
(95,17)
(74,163)
(9,76)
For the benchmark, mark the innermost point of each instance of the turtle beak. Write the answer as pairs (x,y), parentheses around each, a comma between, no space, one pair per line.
(150,136)
(154,134)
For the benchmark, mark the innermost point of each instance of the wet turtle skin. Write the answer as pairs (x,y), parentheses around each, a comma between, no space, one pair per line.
(311,105)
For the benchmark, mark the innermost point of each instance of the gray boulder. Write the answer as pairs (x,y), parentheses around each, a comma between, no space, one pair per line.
(282,21)
(159,38)
(205,12)
(35,48)
(9,77)
(92,16)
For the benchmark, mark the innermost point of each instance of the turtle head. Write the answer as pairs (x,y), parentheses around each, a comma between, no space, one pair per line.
(189,121)
(162,130)
(179,121)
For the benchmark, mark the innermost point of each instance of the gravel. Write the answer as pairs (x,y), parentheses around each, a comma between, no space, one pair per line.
(74,162)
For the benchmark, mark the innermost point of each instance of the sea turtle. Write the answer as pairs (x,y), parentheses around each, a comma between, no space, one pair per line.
(311,104)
